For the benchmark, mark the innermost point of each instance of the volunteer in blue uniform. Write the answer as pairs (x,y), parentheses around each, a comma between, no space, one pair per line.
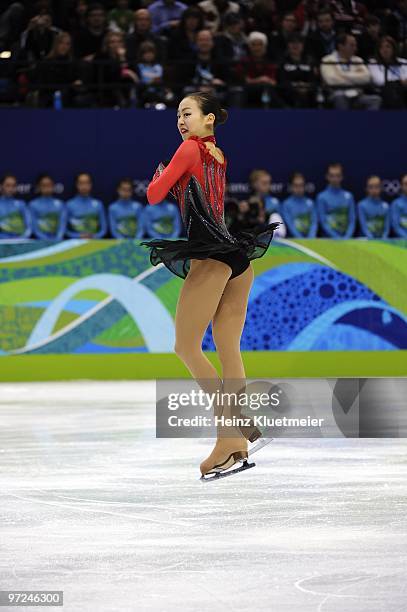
(48,212)
(125,214)
(336,206)
(86,217)
(398,210)
(373,211)
(15,218)
(299,211)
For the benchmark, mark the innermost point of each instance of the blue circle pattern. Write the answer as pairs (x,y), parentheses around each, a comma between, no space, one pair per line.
(281,311)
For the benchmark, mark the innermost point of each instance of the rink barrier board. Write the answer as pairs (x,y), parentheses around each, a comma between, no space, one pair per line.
(88,134)
(345,364)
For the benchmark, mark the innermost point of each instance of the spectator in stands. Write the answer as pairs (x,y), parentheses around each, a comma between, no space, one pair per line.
(162,220)
(260,182)
(15,218)
(11,24)
(348,14)
(125,213)
(151,89)
(59,71)
(398,210)
(37,40)
(297,76)
(181,44)
(215,10)
(278,40)
(263,16)
(48,213)
(389,72)
(299,212)
(142,32)
(232,214)
(112,75)
(232,41)
(89,40)
(74,18)
(400,15)
(369,39)
(322,41)
(120,19)
(373,212)
(86,216)
(346,74)
(165,15)
(206,71)
(336,207)
(258,73)
(252,213)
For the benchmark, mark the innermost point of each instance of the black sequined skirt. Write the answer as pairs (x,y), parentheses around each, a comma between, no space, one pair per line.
(176,254)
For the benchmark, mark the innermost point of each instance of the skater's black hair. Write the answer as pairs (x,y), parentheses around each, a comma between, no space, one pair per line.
(209,103)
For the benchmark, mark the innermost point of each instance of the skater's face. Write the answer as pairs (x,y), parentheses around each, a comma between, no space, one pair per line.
(46,187)
(191,121)
(84,185)
(374,187)
(404,185)
(9,187)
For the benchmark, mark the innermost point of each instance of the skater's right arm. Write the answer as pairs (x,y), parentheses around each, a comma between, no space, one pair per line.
(184,158)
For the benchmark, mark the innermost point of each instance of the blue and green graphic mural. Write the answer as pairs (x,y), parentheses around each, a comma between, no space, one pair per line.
(103,296)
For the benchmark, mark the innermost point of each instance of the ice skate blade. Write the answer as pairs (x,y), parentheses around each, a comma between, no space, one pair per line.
(224,474)
(259,445)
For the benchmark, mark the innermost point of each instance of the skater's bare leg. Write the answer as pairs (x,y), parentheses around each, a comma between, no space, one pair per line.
(198,301)
(227,327)
(228,323)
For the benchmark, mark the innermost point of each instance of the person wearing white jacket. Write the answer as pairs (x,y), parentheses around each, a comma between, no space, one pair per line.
(389,72)
(344,68)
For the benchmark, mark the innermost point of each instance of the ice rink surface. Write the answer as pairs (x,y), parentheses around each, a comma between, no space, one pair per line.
(94,505)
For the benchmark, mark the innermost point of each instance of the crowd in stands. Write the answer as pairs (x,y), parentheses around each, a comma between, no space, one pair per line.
(333,214)
(340,54)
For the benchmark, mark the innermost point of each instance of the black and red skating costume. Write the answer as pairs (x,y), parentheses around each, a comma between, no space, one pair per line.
(197,181)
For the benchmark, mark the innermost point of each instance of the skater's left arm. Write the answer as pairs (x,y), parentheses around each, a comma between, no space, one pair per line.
(184,158)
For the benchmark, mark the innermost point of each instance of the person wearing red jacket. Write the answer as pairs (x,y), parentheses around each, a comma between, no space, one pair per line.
(214,263)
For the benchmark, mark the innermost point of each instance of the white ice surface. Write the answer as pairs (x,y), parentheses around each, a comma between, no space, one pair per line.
(94,505)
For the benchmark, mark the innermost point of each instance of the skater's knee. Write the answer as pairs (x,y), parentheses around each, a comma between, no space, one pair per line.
(228,351)
(182,349)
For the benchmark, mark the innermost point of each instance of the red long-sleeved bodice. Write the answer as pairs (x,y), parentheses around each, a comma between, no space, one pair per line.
(197,181)
(191,159)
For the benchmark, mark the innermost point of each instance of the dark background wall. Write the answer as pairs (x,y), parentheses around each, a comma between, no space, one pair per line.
(111,144)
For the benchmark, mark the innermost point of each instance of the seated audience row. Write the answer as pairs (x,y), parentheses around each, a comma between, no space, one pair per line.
(333,214)
(48,218)
(261,53)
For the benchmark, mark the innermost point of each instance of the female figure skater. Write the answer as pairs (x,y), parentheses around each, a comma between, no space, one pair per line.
(214,263)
